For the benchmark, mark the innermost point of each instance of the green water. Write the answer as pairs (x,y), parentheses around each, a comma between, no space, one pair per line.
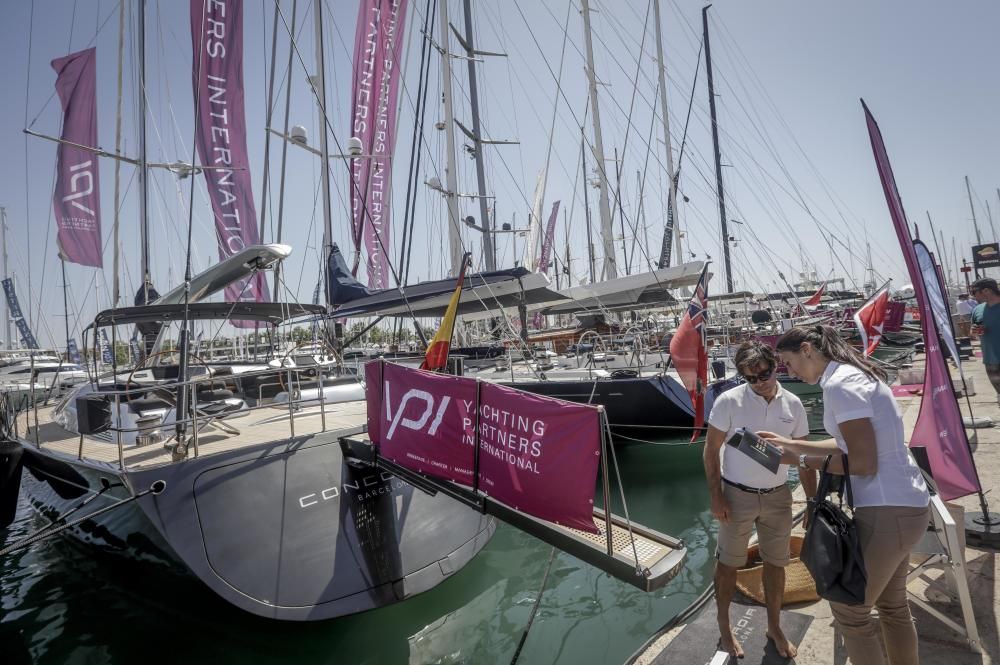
(60,605)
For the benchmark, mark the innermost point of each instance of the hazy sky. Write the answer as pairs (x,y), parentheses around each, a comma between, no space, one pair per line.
(799,172)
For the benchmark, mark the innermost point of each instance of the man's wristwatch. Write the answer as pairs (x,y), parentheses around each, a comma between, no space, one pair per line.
(802,462)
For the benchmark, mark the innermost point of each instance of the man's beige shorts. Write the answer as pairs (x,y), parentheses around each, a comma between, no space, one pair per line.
(772,514)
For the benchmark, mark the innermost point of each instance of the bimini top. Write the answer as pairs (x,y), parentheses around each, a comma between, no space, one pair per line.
(266,312)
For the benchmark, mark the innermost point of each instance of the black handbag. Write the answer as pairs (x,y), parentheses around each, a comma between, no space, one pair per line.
(831,549)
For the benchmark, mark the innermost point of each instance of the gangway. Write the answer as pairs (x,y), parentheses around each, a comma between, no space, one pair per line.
(626,550)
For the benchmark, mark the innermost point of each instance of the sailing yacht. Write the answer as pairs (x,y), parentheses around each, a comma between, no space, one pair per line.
(228,472)
(251,495)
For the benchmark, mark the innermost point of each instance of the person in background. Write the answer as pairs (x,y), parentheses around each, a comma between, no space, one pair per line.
(986,325)
(890,495)
(963,315)
(744,493)
(965,305)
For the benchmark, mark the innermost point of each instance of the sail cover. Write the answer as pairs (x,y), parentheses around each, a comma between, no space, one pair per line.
(77,197)
(378,44)
(537,454)
(217,40)
(939,428)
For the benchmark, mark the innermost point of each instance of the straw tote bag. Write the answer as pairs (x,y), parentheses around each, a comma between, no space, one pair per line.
(831,549)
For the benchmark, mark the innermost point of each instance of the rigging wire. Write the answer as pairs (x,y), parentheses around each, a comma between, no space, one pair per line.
(27,179)
(409,207)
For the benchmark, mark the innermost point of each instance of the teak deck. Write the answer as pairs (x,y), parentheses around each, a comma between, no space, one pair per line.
(256,427)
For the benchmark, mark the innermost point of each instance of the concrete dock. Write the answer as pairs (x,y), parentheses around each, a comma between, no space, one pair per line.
(939,644)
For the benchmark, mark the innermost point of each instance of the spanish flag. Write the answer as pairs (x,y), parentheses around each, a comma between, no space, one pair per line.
(437,352)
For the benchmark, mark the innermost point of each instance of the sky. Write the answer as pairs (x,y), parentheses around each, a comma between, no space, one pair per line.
(798,173)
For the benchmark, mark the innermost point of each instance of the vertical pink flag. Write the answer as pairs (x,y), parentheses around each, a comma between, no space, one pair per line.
(76,199)
(550,235)
(542,265)
(378,44)
(939,428)
(217,40)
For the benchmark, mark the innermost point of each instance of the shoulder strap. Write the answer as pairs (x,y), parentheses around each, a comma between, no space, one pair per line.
(847,483)
(824,480)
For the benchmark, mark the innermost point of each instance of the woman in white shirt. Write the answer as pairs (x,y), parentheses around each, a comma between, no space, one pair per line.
(890,496)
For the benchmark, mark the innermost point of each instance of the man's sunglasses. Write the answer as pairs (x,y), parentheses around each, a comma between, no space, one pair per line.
(763,376)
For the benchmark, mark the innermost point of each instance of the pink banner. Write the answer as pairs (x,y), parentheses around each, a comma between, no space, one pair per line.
(939,426)
(550,236)
(378,44)
(536,454)
(217,41)
(539,454)
(76,200)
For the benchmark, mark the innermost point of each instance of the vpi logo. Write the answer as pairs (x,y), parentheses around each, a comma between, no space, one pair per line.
(416,424)
(81,183)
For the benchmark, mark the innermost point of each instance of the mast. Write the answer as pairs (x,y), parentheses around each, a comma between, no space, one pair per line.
(870,282)
(942,259)
(610,270)
(284,157)
(143,176)
(455,252)
(718,156)
(477,141)
(979,239)
(65,303)
(642,211)
(6,275)
(319,86)
(567,264)
(672,226)
(621,212)
(989,215)
(954,255)
(586,205)
(115,270)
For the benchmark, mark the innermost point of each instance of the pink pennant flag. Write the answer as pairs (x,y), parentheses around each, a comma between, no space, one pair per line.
(217,40)
(378,44)
(939,427)
(77,198)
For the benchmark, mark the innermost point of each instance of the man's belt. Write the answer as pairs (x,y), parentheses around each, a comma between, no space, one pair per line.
(752,490)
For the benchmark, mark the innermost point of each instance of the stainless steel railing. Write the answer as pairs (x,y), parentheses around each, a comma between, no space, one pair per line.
(293,384)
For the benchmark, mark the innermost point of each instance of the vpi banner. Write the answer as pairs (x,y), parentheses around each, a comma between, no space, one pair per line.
(12,304)
(134,350)
(536,454)
(14,307)
(76,200)
(106,355)
(26,336)
(221,135)
(73,351)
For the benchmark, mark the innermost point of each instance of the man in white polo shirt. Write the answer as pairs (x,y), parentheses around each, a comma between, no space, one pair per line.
(746,494)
